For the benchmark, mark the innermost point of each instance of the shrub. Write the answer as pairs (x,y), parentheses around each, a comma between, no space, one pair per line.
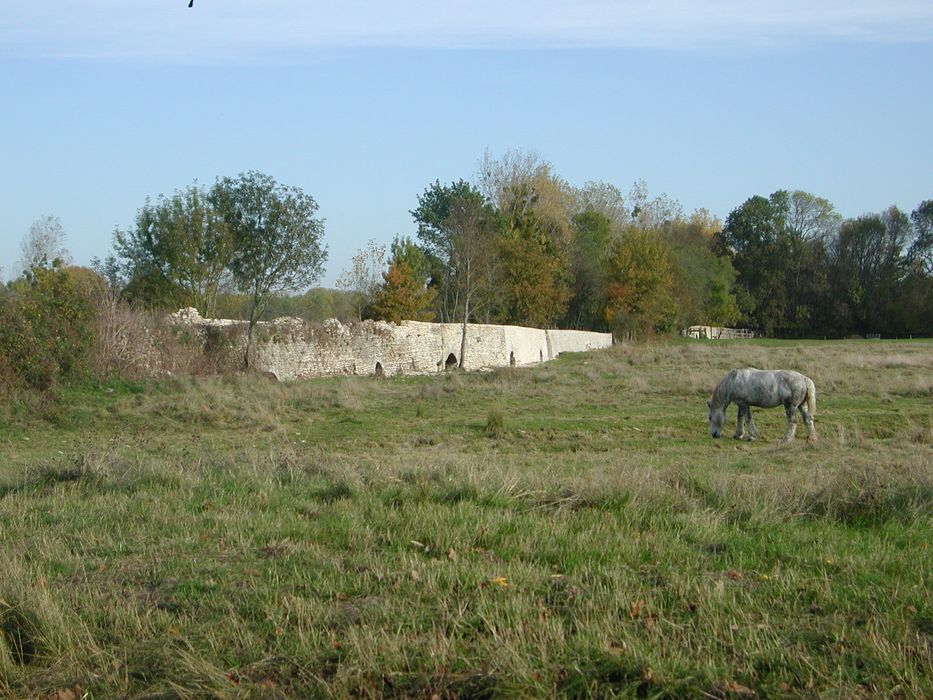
(46,327)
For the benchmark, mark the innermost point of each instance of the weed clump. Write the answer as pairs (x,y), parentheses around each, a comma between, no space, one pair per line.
(20,633)
(334,492)
(495,425)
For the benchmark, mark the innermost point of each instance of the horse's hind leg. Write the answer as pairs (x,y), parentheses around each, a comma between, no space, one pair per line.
(791,422)
(808,421)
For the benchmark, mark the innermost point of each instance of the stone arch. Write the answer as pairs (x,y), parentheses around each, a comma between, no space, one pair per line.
(380,372)
(450,362)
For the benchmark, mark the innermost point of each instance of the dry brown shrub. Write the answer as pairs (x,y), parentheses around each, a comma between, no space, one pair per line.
(134,344)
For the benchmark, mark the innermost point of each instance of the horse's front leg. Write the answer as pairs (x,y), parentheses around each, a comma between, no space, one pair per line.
(740,420)
(752,430)
(791,422)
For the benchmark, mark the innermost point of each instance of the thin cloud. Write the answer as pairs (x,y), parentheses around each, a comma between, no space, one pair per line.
(247,29)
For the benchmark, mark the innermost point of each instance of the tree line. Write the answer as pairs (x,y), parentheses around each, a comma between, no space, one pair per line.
(520,245)
(515,244)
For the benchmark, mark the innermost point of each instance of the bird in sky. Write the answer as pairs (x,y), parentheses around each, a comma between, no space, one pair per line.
(190,3)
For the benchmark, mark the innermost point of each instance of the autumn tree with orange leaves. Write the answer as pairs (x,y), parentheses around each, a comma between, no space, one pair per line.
(403,295)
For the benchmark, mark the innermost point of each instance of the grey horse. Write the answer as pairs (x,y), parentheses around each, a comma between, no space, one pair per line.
(747,387)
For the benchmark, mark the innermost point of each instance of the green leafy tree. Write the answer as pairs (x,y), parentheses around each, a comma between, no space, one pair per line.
(808,217)
(704,282)
(778,247)
(914,307)
(592,237)
(921,248)
(756,237)
(459,236)
(277,241)
(869,265)
(810,225)
(439,217)
(424,265)
(474,261)
(178,252)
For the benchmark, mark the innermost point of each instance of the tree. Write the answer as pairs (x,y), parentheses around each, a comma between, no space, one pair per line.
(534,207)
(535,280)
(44,246)
(363,278)
(404,249)
(473,259)
(921,249)
(403,295)
(808,217)
(704,282)
(778,246)
(276,239)
(406,292)
(458,234)
(654,213)
(604,199)
(641,281)
(810,224)
(178,252)
(440,238)
(915,299)
(593,235)
(521,184)
(756,238)
(868,267)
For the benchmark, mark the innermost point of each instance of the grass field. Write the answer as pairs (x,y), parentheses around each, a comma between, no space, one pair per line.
(567,530)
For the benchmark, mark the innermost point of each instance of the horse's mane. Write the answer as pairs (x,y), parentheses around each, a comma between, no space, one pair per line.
(723,389)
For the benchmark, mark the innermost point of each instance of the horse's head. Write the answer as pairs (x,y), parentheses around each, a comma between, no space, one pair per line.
(716,417)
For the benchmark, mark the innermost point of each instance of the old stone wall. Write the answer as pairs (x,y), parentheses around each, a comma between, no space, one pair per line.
(292,349)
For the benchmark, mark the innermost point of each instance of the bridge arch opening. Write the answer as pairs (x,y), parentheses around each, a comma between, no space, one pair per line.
(450,362)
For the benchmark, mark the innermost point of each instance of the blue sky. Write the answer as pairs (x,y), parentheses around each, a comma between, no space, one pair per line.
(105,102)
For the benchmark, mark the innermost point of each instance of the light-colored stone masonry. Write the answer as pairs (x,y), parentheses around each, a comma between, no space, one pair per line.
(293,349)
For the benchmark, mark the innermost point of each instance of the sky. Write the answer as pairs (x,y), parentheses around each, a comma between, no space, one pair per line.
(364,104)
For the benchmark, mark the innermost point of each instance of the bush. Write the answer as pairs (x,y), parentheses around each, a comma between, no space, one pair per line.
(46,327)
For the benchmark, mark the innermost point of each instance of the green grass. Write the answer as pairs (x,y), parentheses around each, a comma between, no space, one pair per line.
(568,530)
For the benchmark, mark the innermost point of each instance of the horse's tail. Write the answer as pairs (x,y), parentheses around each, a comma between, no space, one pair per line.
(811,396)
